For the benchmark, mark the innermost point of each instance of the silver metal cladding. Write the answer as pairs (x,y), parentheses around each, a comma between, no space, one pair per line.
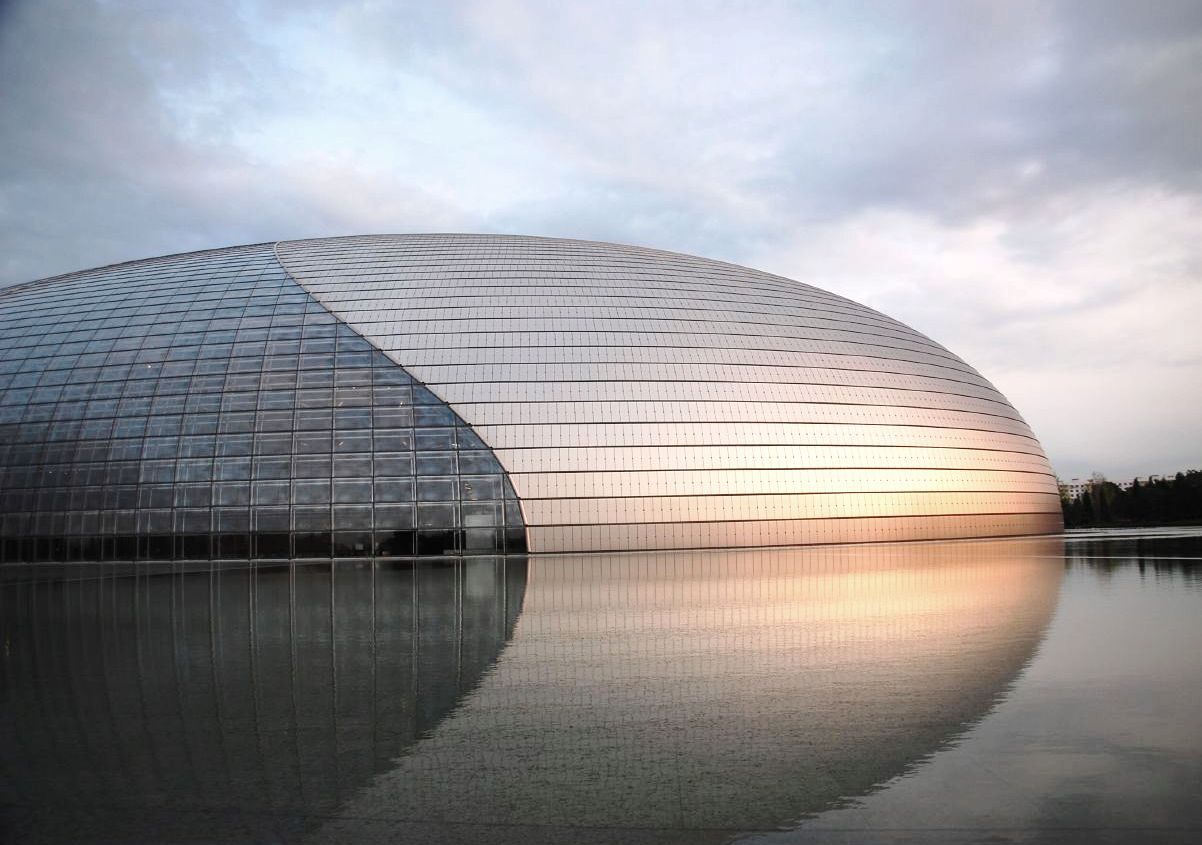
(640,399)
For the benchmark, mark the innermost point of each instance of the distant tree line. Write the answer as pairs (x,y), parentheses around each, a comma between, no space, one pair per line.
(1159,502)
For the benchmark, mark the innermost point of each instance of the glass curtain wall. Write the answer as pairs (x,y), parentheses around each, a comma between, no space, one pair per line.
(205,406)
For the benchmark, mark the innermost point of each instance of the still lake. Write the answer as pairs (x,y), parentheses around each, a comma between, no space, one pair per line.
(1030,690)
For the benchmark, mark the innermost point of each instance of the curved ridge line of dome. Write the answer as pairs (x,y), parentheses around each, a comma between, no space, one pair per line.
(782,281)
(133,262)
(785,281)
(792,283)
(275,244)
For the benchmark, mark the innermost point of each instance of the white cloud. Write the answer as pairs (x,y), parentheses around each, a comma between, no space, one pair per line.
(1079,310)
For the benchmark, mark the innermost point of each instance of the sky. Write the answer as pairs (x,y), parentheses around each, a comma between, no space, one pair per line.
(1020,181)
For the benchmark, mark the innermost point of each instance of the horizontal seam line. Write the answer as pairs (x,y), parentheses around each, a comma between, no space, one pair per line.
(690,496)
(791,519)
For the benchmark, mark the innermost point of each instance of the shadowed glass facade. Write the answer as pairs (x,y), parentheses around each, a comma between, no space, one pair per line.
(205,406)
(422,394)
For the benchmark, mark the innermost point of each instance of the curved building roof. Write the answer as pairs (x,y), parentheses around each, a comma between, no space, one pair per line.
(605,397)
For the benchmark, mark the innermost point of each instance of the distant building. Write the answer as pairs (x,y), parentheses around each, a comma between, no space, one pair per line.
(1074,487)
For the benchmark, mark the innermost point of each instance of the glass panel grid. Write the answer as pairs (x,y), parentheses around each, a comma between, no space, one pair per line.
(204,406)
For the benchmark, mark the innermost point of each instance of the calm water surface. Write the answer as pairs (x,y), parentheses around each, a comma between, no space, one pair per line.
(1029,690)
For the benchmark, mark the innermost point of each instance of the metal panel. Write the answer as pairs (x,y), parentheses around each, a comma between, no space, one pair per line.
(644,399)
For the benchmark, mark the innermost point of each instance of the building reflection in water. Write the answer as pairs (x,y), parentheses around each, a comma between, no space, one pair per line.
(231,703)
(681,696)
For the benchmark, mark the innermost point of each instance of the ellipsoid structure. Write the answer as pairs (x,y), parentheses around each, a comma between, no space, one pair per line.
(422,394)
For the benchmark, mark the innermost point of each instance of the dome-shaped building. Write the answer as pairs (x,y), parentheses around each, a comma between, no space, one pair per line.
(419,394)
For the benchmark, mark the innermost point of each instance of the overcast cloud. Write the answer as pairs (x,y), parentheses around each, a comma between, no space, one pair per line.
(1020,181)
